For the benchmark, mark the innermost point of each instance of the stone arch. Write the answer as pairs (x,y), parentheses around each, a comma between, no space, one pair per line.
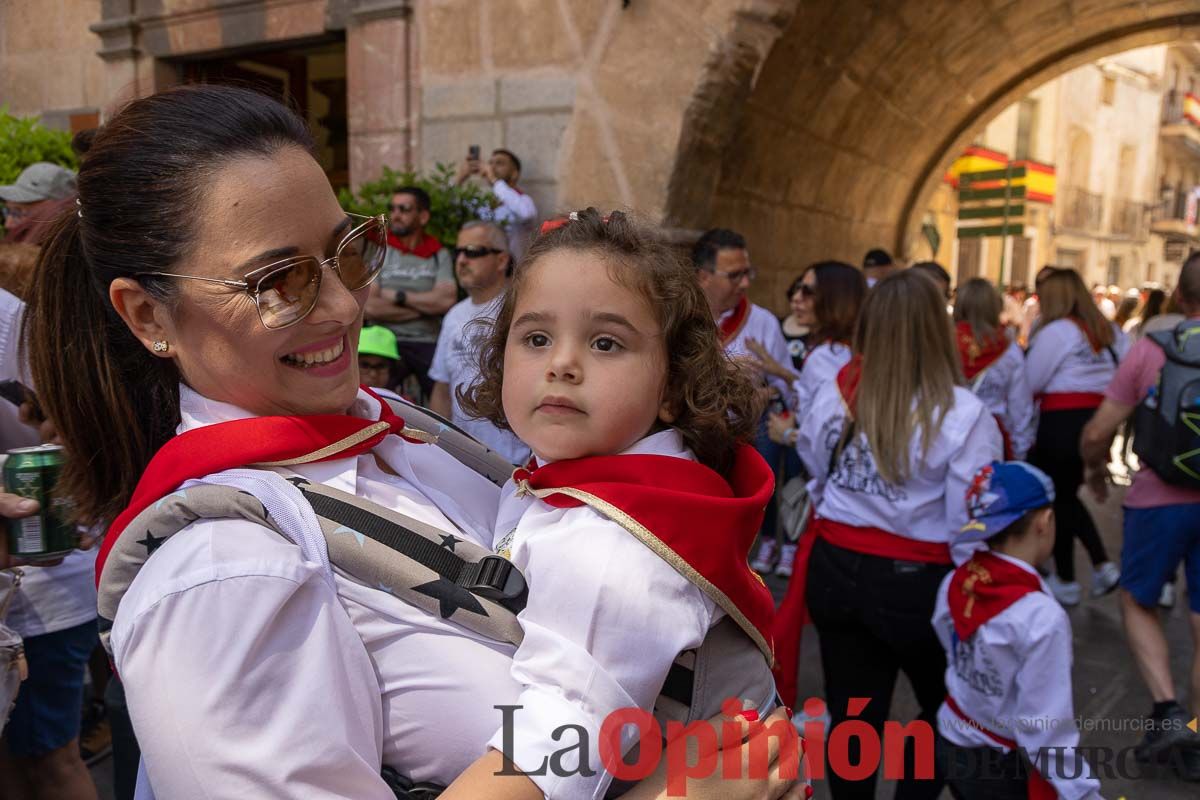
(858,107)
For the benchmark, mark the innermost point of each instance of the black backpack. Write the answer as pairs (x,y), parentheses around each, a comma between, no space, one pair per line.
(1167,423)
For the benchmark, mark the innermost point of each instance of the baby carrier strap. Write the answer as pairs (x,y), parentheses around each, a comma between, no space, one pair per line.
(465,448)
(444,574)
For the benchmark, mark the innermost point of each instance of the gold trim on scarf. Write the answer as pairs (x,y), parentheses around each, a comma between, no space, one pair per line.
(331,449)
(664,552)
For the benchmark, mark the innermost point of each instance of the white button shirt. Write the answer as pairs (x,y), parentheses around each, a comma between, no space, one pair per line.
(1013,677)
(248,676)
(762,326)
(821,367)
(1061,361)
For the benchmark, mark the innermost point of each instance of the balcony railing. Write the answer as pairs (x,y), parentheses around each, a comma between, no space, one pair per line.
(1080,209)
(1128,219)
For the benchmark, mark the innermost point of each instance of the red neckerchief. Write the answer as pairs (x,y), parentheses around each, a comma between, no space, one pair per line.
(732,324)
(983,587)
(706,520)
(848,379)
(243,442)
(1087,334)
(975,355)
(426,248)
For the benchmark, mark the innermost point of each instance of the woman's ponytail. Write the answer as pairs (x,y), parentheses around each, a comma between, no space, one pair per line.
(112,403)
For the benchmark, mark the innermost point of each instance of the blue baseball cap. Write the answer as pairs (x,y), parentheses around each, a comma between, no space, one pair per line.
(1000,494)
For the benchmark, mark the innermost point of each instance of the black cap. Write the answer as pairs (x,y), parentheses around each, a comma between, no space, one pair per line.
(877,258)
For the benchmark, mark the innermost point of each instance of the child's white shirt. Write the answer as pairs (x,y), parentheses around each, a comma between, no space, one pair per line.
(1013,677)
(605,619)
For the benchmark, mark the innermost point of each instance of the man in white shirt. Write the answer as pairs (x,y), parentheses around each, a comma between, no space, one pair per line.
(481,264)
(517,211)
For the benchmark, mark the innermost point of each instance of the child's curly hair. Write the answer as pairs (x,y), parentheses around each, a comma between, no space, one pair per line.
(715,403)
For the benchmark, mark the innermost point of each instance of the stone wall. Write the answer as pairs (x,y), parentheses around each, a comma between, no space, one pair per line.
(48,61)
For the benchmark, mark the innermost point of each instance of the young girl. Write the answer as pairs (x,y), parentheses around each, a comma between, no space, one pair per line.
(892,445)
(993,365)
(1073,354)
(633,522)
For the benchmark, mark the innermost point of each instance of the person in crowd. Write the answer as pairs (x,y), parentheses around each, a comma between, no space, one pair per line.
(877,265)
(517,212)
(892,445)
(1013,316)
(482,265)
(1107,306)
(1125,316)
(1072,356)
(830,296)
(795,332)
(723,270)
(1161,533)
(1008,651)
(416,286)
(378,357)
(246,319)
(604,360)
(938,274)
(31,205)
(993,365)
(1155,315)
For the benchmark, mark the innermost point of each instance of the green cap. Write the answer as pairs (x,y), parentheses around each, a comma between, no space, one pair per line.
(376,340)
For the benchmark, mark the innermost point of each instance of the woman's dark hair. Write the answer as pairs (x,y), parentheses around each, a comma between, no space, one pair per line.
(841,290)
(141,181)
(1156,300)
(714,402)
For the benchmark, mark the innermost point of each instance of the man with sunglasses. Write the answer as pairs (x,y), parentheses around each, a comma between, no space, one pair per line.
(482,265)
(415,287)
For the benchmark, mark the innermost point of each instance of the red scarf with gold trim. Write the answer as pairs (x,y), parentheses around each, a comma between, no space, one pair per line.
(976,355)
(708,521)
(983,588)
(247,442)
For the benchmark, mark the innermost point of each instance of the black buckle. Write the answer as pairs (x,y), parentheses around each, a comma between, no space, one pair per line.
(497,579)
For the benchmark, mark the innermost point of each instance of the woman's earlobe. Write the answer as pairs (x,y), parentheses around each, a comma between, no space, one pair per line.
(666,414)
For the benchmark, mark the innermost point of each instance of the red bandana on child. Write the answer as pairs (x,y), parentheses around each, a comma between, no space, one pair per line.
(732,324)
(426,248)
(255,441)
(977,355)
(984,587)
(682,510)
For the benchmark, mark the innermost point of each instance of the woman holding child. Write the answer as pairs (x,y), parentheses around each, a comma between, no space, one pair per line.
(191,289)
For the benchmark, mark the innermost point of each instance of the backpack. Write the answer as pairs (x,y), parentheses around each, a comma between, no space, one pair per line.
(1167,423)
(445,575)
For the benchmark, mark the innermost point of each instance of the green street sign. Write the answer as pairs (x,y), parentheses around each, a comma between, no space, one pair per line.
(989,212)
(1011,192)
(965,178)
(1016,229)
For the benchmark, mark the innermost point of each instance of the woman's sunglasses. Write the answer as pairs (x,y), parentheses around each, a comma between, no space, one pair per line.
(804,290)
(287,291)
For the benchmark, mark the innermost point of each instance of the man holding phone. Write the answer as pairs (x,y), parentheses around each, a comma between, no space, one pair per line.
(517,212)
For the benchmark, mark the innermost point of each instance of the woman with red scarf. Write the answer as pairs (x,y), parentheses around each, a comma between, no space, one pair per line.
(209,293)
(892,446)
(1073,354)
(993,364)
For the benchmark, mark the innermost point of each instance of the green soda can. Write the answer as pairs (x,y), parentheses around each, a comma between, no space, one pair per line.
(33,472)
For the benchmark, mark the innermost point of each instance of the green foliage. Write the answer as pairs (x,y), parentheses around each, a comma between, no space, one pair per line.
(451,205)
(23,141)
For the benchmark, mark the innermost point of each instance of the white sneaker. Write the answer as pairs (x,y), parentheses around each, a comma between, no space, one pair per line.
(766,556)
(1105,579)
(787,554)
(1067,594)
(1166,598)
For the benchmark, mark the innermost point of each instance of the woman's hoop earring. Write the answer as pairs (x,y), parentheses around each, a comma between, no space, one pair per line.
(161,346)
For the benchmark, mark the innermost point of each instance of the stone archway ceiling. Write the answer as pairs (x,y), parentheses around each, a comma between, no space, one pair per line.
(860,105)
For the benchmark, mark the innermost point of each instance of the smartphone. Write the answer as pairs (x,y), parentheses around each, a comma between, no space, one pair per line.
(15,392)
(473,152)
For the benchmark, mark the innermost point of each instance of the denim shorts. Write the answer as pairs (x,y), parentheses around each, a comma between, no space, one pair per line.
(1156,541)
(49,704)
